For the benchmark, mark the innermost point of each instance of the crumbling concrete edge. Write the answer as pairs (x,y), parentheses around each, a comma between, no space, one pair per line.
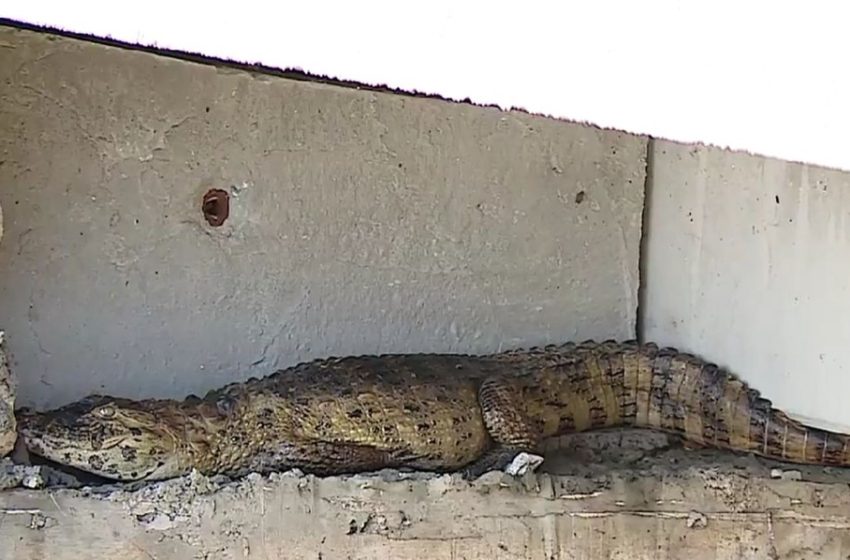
(388,513)
(8,388)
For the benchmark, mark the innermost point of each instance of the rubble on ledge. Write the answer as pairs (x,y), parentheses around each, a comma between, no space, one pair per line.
(8,386)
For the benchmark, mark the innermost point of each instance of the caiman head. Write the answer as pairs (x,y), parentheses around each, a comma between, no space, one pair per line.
(111,437)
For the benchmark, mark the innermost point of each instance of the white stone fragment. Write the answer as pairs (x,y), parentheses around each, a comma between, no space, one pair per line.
(523,463)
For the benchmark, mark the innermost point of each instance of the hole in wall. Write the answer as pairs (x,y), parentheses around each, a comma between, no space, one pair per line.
(216,207)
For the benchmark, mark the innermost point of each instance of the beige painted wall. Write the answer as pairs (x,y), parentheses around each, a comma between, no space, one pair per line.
(748,263)
(361,222)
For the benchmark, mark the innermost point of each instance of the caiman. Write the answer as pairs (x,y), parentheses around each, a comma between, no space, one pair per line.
(429,412)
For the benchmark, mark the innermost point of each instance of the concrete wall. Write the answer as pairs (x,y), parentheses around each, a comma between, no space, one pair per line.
(361,222)
(723,90)
(746,263)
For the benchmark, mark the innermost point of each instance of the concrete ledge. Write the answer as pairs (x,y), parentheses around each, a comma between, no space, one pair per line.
(652,503)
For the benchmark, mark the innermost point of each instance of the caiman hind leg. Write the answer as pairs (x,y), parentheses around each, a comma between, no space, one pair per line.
(512,433)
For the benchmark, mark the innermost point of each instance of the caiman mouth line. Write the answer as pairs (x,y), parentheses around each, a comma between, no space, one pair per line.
(50,444)
(104,447)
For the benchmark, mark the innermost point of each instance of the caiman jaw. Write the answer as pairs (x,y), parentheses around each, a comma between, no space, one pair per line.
(123,443)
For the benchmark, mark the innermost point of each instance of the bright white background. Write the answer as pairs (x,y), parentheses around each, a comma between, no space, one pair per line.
(766,77)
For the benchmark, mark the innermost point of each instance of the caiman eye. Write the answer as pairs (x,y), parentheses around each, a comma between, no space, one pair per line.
(105,411)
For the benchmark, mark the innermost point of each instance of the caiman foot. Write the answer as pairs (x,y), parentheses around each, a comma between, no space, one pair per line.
(512,461)
(511,431)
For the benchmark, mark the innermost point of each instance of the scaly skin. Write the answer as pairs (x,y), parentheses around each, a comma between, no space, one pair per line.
(433,412)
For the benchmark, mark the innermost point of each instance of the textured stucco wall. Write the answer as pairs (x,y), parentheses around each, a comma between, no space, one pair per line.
(361,222)
(747,263)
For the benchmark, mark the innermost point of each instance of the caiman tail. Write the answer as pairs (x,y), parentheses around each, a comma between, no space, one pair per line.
(568,388)
(677,392)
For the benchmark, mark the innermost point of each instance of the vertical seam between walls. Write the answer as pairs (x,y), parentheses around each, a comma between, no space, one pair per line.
(640,313)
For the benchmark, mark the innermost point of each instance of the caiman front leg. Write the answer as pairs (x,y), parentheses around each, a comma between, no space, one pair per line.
(513,434)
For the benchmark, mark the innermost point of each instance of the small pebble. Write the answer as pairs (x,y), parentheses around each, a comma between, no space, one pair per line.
(792,475)
(33,480)
(696,520)
(786,475)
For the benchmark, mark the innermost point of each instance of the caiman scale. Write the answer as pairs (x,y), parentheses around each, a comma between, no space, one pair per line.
(431,412)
